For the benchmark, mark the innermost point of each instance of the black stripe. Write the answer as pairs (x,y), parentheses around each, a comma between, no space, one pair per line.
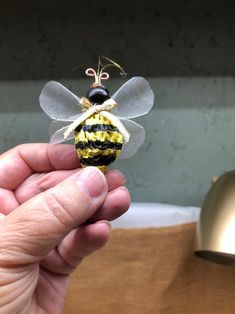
(98,145)
(96,127)
(98,160)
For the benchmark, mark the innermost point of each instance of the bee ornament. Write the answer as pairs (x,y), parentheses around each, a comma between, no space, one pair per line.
(99,123)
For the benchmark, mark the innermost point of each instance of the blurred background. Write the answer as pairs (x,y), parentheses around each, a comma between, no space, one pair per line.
(186,50)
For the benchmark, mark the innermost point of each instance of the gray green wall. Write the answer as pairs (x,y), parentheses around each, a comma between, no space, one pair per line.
(184,48)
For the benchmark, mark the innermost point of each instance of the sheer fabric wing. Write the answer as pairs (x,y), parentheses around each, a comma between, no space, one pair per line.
(56,131)
(134,98)
(58,102)
(137,136)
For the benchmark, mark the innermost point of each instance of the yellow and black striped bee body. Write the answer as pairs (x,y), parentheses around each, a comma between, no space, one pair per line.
(97,141)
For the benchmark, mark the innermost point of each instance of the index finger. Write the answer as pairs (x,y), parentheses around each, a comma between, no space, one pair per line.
(20,162)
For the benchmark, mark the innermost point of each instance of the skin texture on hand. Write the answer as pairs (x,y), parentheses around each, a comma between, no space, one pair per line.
(52,215)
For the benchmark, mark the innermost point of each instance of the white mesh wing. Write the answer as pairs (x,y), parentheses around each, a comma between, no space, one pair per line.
(134,98)
(137,136)
(58,102)
(56,131)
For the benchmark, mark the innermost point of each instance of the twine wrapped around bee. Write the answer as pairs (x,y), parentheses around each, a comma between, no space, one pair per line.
(103,110)
(100,136)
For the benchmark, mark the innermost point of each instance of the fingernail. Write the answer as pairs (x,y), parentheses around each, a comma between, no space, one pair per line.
(106,222)
(91,180)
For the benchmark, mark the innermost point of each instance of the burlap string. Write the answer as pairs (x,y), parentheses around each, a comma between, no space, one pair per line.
(151,271)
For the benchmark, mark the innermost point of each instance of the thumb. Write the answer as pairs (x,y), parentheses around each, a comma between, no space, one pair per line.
(38,225)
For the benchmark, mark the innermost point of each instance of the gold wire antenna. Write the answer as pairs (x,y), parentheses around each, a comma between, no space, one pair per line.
(103,64)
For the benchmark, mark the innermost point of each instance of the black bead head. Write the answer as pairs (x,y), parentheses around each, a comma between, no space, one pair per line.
(97,95)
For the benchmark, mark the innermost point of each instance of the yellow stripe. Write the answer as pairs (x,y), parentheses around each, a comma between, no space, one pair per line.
(103,136)
(103,168)
(97,119)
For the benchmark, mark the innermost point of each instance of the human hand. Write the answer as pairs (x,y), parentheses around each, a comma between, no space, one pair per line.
(52,215)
